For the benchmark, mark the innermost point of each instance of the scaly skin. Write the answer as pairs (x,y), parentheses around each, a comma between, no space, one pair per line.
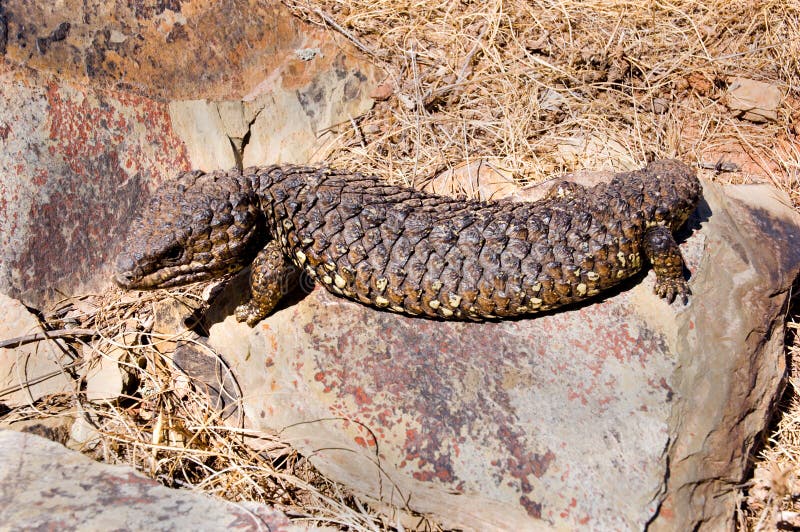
(408,251)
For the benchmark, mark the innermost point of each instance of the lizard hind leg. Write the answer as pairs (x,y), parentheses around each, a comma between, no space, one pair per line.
(271,277)
(664,255)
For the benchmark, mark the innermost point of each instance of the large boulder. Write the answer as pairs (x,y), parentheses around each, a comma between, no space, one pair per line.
(170,50)
(101,102)
(624,413)
(44,486)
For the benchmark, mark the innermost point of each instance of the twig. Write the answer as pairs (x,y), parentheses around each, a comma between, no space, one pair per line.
(38,337)
(465,68)
(358,132)
(719,166)
(327,18)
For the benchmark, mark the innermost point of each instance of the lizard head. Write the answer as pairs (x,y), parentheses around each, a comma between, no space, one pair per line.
(198,227)
(672,192)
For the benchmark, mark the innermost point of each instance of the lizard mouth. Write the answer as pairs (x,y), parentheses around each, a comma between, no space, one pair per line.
(131,276)
(164,278)
(125,280)
(128,275)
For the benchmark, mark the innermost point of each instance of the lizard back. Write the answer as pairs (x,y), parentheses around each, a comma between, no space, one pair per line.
(423,254)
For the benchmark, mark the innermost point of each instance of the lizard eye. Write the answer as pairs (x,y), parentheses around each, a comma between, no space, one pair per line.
(172,253)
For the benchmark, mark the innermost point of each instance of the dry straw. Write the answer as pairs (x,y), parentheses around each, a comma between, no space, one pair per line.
(531,87)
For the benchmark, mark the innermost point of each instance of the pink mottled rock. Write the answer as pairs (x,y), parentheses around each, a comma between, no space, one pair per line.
(620,414)
(170,50)
(75,164)
(44,486)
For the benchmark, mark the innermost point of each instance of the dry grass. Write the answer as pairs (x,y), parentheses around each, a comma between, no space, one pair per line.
(541,87)
(770,497)
(532,87)
(164,423)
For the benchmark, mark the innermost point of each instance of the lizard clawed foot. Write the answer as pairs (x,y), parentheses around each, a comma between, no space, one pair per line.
(250,313)
(672,288)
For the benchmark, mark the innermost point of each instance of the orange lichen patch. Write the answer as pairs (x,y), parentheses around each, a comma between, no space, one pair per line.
(168,50)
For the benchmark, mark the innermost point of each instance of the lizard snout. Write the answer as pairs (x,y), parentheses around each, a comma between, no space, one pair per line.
(125,270)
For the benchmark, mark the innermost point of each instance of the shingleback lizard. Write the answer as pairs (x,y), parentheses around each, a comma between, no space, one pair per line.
(408,251)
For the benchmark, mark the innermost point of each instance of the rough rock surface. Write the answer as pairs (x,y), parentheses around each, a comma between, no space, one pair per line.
(94,113)
(620,414)
(44,486)
(53,428)
(168,50)
(75,163)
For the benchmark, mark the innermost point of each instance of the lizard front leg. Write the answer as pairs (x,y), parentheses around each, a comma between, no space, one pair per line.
(664,255)
(271,277)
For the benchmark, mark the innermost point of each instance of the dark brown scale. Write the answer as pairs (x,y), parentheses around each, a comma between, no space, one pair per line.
(352,231)
(548,293)
(319,245)
(378,257)
(372,238)
(357,253)
(563,288)
(603,268)
(468,285)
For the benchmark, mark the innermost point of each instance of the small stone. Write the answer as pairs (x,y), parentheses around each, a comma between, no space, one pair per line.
(595,150)
(753,100)
(104,380)
(206,374)
(538,43)
(54,428)
(551,100)
(478,179)
(171,315)
(407,101)
(659,106)
(31,371)
(117,37)
(382,92)
(83,434)
(700,83)
(307,54)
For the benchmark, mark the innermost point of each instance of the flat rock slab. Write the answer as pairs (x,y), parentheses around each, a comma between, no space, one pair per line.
(44,486)
(31,371)
(620,414)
